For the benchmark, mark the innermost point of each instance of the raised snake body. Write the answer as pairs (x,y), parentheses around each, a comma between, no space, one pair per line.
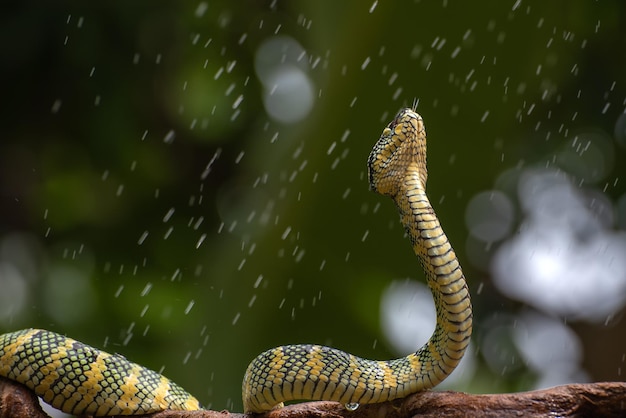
(80,379)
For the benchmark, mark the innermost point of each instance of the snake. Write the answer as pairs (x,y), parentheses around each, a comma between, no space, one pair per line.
(79,379)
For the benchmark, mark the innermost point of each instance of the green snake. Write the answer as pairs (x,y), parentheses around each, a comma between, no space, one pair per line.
(80,379)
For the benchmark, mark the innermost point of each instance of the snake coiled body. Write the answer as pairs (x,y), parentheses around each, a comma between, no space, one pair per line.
(80,379)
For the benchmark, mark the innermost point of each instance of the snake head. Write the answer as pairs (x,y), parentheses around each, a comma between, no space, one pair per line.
(400,151)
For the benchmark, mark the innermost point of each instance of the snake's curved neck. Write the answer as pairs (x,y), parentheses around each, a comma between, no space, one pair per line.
(444,350)
(396,168)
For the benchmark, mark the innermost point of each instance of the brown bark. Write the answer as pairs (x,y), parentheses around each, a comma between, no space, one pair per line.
(607,399)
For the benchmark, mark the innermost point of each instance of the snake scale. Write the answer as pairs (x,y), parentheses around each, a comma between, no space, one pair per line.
(80,379)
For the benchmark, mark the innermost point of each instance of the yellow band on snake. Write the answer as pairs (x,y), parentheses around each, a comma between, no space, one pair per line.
(80,379)
(397,168)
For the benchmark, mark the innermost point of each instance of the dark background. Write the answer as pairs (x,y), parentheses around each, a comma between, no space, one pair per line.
(142,213)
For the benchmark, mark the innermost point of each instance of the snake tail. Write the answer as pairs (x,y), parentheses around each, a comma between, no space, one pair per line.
(82,380)
(396,168)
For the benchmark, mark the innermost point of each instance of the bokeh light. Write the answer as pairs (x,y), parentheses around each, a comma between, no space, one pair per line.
(490,215)
(408,319)
(589,156)
(550,349)
(566,259)
(620,130)
(281,64)
(20,266)
(185,182)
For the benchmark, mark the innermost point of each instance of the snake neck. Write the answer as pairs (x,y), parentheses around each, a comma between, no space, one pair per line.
(444,276)
(396,168)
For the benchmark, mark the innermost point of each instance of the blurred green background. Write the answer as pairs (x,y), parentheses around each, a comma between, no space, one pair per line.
(152,205)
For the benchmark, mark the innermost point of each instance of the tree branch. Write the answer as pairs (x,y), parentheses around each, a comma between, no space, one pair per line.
(607,399)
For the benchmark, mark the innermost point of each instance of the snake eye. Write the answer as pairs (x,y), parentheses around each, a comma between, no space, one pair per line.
(398,118)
